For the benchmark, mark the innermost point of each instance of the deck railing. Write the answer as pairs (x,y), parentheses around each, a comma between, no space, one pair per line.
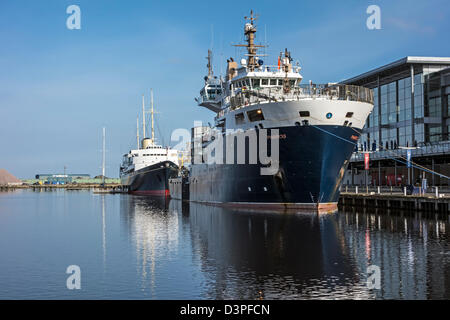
(257,95)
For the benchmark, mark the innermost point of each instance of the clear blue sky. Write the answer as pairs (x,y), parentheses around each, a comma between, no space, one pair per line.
(59,87)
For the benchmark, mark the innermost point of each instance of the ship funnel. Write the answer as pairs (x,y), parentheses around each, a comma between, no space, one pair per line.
(146,142)
(231,69)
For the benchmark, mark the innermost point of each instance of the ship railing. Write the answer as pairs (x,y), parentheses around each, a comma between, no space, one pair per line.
(209,98)
(312,91)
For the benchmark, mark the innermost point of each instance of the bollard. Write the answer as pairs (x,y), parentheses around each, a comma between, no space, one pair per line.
(404,191)
(391,190)
(356,190)
(379,189)
(346,189)
(437,192)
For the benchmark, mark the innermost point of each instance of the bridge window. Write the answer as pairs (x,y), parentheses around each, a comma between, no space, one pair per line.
(273,82)
(255,83)
(255,115)
(349,115)
(265,82)
(239,118)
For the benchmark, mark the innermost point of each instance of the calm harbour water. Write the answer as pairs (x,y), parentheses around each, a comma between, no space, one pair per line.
(134,247)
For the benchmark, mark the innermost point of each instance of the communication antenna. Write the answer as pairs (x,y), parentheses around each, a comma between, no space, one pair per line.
(210,55)
(153,130)
(212,37)
(143,117)
(221,54)
(209,65)
(137,132)
(265,38)
(104,157)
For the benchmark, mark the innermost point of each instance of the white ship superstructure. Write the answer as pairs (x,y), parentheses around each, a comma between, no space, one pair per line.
(269,96)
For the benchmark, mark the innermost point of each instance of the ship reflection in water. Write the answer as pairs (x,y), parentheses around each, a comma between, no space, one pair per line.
(189,250)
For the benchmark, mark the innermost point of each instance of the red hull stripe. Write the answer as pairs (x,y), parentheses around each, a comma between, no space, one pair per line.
(151,192)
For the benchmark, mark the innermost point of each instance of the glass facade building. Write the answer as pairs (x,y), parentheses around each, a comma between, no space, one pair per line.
(406,117)
(411,109)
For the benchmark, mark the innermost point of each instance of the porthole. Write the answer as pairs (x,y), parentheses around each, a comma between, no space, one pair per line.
(304,114)
(329,115)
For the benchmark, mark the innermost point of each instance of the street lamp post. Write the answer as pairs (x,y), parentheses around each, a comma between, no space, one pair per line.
(408,160)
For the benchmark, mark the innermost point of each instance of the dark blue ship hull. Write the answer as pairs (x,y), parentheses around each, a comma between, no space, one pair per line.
(312,164)
(151,180)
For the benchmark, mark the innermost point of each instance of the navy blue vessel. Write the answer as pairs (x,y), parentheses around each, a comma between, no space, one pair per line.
(315,126)
(312,162)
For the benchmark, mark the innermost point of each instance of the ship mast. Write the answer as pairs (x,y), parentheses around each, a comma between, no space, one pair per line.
(153,130)
(104,157)
(209,65)
(249,31)
(137,132)
(143,117)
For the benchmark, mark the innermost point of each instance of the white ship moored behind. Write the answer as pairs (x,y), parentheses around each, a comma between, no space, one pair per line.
(147,169)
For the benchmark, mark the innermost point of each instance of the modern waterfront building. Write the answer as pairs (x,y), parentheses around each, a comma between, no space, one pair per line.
(411,98)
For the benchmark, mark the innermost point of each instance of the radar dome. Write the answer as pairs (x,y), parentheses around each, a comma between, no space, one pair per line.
(248,27)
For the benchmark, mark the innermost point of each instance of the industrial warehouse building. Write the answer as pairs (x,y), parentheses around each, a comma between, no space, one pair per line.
(61,178)
(411,111)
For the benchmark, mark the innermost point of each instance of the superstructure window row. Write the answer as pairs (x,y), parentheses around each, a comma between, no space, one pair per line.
(263,82)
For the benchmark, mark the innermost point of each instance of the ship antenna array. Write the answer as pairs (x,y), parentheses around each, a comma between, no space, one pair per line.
(137,132)
(152,113)
(104,156)
(209,65)
(143,117)
(249,31)
(144,112)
